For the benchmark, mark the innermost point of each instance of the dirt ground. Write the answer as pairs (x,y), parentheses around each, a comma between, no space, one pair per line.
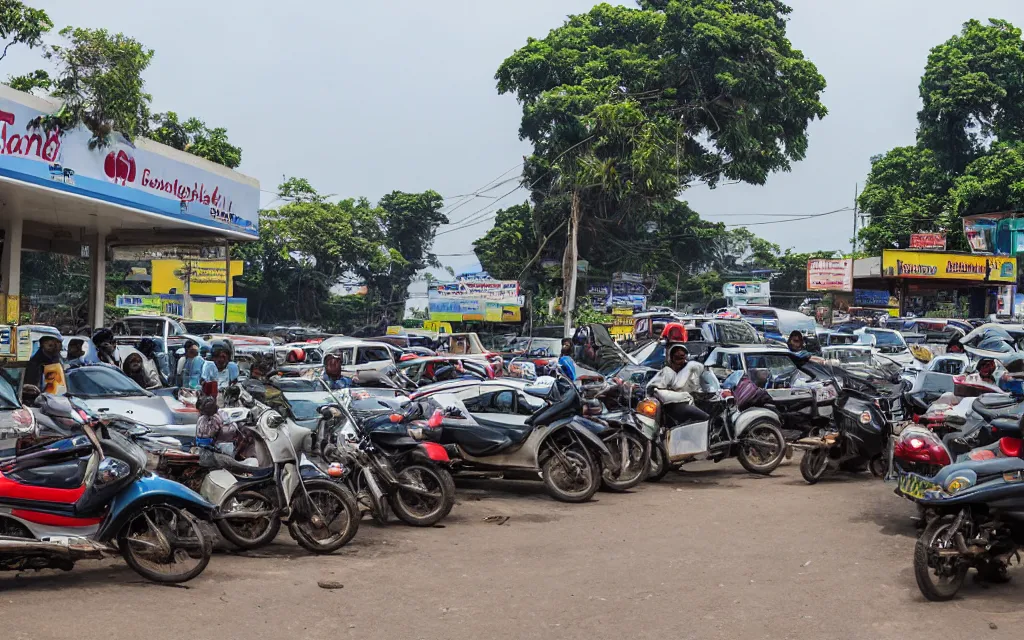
(711,553)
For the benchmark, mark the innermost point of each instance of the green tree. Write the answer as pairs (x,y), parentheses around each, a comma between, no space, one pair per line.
(30,82)
(625,106)
(20,24)
(407,223)
(99,79)
(966,158)
(196,138)
(509,245)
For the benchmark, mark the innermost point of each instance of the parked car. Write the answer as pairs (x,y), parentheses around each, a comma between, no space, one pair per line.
(424,370)
(357,354)
(468,344)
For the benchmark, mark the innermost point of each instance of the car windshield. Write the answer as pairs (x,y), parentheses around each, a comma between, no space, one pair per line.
(544,347)
(848,356)
(735,333)
(776,363)
(102,382)
(886,338)
(305,406)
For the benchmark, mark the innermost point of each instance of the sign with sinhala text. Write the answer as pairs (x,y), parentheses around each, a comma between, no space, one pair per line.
(830,275)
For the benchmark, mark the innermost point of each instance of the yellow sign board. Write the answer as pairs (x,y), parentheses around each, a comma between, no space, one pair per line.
(437,326)
(394,330)
(948,266)
(206,277)
(12,305)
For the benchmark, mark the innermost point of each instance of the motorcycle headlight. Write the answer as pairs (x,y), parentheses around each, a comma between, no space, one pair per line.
(958,483)
(865,417)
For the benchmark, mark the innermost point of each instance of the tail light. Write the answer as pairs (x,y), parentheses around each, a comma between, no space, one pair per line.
(435,452)
(435,419)
(407,357)
(336,470)
(648,408)
(1011,447)
(920,447)
(396,418)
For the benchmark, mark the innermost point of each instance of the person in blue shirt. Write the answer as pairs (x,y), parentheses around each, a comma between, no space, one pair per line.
(565,362)
(333,377)
(190,368)
(221,369)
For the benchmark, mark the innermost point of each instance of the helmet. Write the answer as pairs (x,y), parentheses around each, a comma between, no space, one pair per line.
(295,356)
(218,346)
(101,336)
(674,332)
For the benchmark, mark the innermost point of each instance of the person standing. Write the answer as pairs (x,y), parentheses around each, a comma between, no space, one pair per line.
(47,354)
(190,368)
(565,362)
(220,369)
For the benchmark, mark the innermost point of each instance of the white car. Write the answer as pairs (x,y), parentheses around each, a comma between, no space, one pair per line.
(888,343)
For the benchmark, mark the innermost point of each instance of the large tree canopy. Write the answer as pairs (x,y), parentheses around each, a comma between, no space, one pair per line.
(195,137)
(967,158)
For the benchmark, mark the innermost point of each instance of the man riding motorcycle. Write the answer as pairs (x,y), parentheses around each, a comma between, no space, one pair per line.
(674,384)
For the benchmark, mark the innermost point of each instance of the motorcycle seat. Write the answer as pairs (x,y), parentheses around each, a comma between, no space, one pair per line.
(991,406)
(984,469)
(514,433)
(245,472)
(392,439)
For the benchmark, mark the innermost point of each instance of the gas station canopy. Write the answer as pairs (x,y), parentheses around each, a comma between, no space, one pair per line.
(60,194)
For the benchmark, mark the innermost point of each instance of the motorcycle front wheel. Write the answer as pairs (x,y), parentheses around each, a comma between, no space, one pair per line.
(939,572)
(813,464)
(164,544)
(762,447)
(425,497)
(659,462)
(249,520)
(572,476)
(633,452)
(332,519)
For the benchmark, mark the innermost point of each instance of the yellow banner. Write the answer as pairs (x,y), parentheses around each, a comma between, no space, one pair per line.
(206,277)
(948,266)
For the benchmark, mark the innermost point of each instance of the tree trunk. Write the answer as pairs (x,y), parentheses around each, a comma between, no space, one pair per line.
(569,261)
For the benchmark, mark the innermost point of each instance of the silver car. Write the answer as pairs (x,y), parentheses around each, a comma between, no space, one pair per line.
(107,390)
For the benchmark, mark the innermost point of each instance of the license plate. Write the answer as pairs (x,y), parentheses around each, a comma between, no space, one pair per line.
(914,486)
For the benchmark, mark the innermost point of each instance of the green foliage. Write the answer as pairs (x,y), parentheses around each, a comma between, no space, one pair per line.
(505,249)
(967,157)
(99,80)
(29,82)
(22,25)
(196,138)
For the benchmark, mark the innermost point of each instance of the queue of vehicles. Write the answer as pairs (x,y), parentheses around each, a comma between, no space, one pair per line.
(108,466)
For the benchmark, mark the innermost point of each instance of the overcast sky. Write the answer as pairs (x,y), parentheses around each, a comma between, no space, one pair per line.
(363,98)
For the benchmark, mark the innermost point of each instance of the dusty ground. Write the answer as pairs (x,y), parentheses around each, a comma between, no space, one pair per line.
(713,553)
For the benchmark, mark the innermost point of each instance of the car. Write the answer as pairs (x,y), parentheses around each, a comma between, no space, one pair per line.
(543,353)
(502,402)
(107,390)
(889,343)
(422,370)
(357,354)
(468,344)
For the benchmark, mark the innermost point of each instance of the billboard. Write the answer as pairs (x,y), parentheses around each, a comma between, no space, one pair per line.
(830,275)
(948,266)
(928,241)
(206,277)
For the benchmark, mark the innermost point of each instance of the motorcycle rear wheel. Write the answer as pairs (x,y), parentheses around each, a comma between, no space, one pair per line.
(250,534)
(141,543)
(947,579)
(577,483)
(638,462)
(337,506)
(423,511)
(814,464)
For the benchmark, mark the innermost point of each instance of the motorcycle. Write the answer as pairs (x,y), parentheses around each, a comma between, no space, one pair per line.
(626,438)
(322,515)
(387,469)
(868,407)
(979,524)
(555,442)
(75,490)
(754,435)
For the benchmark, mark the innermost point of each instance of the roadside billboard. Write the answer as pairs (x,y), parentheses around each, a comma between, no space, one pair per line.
(206,277)
(826,274)
(928,241)
(948,266)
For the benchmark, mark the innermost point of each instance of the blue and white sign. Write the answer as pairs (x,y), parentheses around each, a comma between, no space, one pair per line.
(122,173)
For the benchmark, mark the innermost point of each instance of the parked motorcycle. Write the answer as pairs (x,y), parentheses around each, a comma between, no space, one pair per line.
(754,435)
(555,442)
(978,524)
(76,490)
(322,515)
(387,469)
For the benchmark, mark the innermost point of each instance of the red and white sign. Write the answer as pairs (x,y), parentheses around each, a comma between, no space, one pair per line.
(932,241)
(824,274)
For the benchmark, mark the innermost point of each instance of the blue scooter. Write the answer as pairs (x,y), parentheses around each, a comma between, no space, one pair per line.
(76,490)
(980,524)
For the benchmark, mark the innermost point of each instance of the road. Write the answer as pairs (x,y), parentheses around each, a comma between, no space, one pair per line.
(711,553)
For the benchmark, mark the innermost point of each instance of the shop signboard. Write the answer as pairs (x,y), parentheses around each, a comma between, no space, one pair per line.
(632,302)
(830,275)
(980,233)
(504,291)
(744,293)
(928,241)
(948,266)
(206,277)
(622,276)
(622,322)
(873,298)
(201,309)
(134,175)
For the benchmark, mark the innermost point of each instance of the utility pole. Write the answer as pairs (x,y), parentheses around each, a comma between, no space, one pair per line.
(677,290)
(856,192)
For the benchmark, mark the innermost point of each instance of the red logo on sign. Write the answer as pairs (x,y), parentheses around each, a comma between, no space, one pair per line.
(119,167)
